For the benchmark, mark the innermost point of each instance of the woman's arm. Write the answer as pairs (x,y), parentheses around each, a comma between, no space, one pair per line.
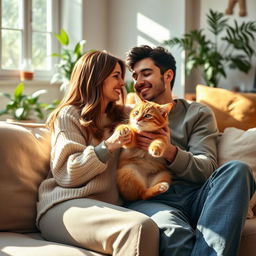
(73,160)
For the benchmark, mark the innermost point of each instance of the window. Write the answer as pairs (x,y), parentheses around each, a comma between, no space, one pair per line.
(26,36)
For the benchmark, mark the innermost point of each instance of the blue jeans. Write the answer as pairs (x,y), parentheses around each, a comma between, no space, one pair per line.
(203,220)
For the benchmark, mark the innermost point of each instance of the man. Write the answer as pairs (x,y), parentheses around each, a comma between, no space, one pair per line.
(204,210)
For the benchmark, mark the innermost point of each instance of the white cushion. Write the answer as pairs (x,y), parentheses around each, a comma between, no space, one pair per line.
(237,144)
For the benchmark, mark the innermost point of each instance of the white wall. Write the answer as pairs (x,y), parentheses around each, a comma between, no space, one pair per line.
(95,24)
(119,25)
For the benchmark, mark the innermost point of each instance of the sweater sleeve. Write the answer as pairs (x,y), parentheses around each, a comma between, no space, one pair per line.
(196,158)
(73,161)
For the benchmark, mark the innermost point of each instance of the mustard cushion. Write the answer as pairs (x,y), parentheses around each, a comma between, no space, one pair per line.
(231,109)
(24,163)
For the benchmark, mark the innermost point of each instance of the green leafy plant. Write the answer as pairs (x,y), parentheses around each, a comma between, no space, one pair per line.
(231,47)
(68,57)
(26,107)
(129,86)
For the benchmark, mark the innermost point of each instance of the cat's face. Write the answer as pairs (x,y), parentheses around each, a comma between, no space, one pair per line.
(149,116)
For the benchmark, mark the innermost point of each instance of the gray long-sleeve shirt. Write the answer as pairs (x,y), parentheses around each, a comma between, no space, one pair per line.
(194,132)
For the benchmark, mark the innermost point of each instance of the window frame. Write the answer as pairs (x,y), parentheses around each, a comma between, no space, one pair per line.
(27,40)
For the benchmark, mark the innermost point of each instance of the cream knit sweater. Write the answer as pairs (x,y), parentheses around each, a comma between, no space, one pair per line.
(81,167)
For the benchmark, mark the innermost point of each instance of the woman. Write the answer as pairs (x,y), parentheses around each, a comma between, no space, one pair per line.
(78,202)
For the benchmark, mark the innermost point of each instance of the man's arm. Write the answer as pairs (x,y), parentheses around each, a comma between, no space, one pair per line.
(191,152)
(195,136)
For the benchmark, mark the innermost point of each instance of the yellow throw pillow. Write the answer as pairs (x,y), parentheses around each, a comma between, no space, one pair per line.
(231,109)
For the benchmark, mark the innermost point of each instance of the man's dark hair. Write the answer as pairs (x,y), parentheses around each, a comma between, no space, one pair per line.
(161,57)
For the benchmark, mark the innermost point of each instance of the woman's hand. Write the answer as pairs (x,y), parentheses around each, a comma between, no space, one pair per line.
(118,139)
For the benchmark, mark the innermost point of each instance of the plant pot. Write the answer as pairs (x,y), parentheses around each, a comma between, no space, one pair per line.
(26,75)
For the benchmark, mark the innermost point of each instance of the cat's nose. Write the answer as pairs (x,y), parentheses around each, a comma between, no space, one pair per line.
(138,119)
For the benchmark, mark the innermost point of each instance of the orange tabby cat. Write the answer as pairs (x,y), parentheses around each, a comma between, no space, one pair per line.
(143,174)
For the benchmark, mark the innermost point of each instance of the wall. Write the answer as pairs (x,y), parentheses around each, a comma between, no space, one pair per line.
(95,24)
(126,24)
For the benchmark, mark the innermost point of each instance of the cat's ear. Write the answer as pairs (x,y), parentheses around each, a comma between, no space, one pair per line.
(138,99)
(166,108)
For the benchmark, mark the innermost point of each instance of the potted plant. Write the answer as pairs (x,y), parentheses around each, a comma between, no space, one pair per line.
(26,107)
(230,47)
(68,58)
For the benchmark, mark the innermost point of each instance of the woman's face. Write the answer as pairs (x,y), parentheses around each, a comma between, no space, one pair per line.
(112,85)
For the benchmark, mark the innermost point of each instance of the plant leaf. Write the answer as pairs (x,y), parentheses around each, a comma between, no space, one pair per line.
(19,90)
(78,47)
(62,37)
(7,95)
(56,55)
(38,93)
(3,112)
(216,21)
(19,113)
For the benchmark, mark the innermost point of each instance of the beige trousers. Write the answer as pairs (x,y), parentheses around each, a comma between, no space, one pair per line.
(101,227)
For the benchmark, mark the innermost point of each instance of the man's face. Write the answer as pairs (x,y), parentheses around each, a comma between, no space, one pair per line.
(149,82)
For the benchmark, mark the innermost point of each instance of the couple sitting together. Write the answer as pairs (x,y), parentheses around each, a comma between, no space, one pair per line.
(141,181)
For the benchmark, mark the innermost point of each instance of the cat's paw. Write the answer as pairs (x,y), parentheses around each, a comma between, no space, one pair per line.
(163,187)
(124,131)
(155,151)
(157,189)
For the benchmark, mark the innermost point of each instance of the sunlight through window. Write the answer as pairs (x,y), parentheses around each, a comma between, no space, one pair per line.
(151,30)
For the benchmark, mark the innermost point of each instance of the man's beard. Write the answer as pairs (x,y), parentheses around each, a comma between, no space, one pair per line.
(154,97)
(159,92)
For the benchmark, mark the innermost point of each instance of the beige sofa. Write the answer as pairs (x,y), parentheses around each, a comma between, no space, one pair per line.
(24,163)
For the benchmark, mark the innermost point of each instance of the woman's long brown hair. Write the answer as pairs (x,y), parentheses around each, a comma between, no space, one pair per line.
(85,91)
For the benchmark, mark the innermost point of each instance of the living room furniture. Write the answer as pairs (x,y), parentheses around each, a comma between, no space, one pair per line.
(24,163)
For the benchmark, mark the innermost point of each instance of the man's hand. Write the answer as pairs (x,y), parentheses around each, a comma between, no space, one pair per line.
(144,139)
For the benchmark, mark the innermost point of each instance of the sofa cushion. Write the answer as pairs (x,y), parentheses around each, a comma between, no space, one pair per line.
(24,164)
(231,109)
(13,244)
(248,245)
(237,144)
